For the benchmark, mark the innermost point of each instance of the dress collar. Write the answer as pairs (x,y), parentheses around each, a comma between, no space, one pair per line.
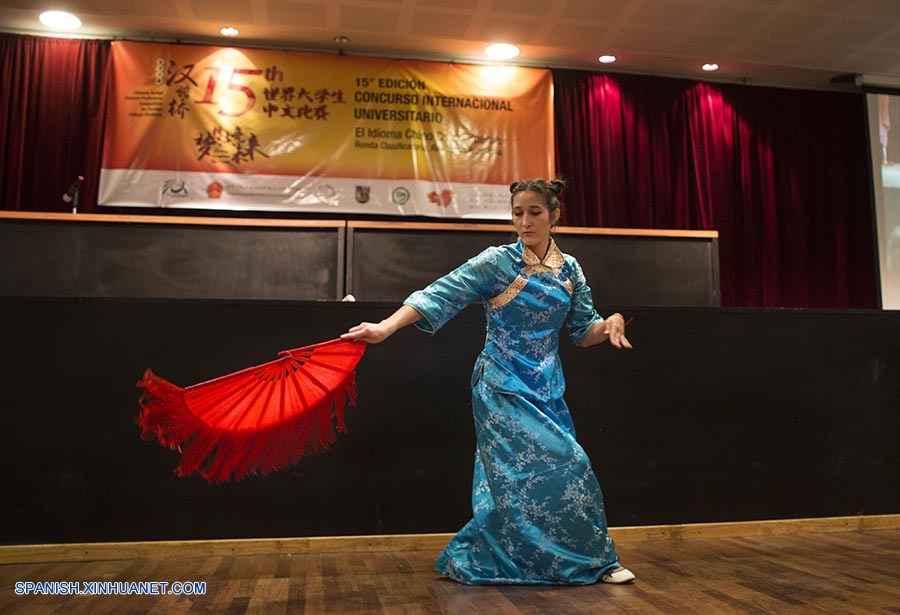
(553,259)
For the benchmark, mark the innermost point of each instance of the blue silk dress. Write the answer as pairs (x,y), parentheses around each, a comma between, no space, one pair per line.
(538,514)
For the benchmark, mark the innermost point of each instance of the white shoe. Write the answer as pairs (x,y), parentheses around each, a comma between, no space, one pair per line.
(618,576)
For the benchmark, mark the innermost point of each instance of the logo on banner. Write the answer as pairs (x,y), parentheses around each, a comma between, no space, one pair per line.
(175,188)
(444,198)
(362,194)
(214,190)
(400,195)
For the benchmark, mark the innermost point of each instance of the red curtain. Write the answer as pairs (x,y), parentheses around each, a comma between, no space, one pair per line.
(783,176)
(51,120)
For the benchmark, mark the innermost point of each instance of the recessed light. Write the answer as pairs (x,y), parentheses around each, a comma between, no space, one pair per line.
(710,67)
(607,59)
(229,31)
(501,51)
(341,40)
(60,20)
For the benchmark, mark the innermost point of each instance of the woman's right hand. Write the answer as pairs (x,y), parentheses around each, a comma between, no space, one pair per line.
(369,332)
(373,333)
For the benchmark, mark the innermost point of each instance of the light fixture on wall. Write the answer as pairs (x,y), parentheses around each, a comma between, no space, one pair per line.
(710,67)
(229,31)
(606,59)
(341,40)
(60,20)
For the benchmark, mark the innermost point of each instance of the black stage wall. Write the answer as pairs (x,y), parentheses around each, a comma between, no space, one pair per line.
(718,415)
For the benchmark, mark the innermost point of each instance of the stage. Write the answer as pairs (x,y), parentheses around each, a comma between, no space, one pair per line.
(840,573)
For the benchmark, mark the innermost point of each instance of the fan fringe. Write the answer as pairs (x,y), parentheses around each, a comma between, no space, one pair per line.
(218,455)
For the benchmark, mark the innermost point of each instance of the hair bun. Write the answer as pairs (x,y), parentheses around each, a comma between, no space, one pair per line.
(557,185)
(513,186)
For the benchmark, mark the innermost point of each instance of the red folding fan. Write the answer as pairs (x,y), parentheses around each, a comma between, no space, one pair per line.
(256,420)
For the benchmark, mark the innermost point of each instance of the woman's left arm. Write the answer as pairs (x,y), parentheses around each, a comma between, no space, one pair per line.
(586,328)
(612,329)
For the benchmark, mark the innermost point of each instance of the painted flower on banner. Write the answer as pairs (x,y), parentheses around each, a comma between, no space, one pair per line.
(444,198)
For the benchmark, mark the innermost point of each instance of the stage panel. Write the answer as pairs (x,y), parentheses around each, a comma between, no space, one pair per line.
(717,415)
(386,262)
(147,257)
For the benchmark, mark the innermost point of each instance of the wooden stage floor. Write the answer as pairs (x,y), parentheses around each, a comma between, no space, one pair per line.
(841,573)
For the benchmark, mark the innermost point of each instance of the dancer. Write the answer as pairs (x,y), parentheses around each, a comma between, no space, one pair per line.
(538,513)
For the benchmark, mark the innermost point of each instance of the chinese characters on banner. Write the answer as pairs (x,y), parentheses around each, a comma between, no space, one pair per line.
(247,129)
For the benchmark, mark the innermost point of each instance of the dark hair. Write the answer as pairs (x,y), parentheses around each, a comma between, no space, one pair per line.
(548,190)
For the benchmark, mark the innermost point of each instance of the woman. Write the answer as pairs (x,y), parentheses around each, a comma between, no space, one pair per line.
(538,515)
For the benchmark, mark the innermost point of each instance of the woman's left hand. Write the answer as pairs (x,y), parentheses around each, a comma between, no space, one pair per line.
(615,329)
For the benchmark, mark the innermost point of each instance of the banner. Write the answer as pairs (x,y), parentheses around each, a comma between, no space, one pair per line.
(251,129)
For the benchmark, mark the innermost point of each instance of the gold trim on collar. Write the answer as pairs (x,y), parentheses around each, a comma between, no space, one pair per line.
(553,259)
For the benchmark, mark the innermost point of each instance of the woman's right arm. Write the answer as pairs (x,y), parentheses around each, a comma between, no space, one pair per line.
(435,304)
(373,333)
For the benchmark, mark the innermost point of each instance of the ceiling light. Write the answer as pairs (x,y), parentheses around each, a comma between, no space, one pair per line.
(229,31)
(60,20)
(607,59)
(710,67)
(501,51)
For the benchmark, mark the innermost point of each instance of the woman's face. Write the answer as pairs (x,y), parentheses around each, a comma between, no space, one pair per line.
(532,220)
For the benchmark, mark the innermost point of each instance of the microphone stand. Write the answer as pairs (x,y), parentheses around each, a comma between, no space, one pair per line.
(71,195)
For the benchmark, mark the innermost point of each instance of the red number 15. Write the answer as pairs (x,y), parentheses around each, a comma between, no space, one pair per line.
(245,90)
